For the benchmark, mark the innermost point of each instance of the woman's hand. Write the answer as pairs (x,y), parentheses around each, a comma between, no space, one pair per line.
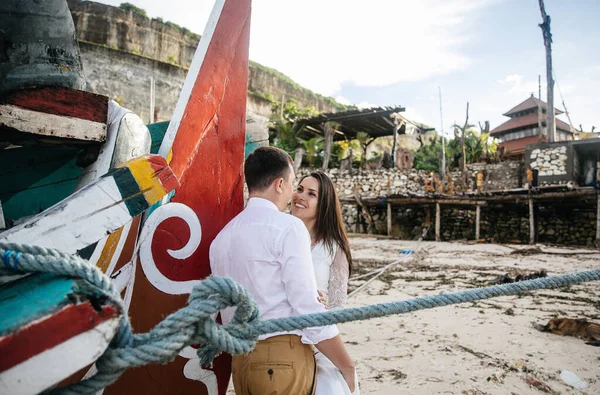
(323,299)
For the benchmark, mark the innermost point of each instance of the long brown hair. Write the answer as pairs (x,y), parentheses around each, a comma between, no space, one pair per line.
(330,223)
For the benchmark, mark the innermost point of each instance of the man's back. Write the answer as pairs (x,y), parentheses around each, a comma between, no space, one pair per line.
(268,252)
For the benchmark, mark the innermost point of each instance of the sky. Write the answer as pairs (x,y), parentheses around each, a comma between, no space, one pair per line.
(403,52)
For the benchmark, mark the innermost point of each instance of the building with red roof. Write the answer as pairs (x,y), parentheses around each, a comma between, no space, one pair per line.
(522,128)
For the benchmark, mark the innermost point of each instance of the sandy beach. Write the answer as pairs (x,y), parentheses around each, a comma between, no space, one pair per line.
(488,347)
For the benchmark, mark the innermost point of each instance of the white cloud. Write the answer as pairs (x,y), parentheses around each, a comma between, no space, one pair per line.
(365,104)
(342,100)
(321,44)
(518,87)
(414,115)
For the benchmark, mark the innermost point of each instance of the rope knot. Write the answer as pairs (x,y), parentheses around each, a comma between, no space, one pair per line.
(237,336)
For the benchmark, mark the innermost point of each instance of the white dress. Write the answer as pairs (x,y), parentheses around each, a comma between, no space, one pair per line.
(331,271)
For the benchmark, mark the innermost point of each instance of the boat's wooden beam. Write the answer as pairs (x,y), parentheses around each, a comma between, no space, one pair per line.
(55,327)
(56,112)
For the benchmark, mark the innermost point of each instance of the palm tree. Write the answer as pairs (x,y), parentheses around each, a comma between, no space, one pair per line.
(313,147)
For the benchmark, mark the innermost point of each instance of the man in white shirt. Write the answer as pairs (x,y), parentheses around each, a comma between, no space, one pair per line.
(268,252)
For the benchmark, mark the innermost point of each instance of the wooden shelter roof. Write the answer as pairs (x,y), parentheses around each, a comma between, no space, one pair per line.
(375,121)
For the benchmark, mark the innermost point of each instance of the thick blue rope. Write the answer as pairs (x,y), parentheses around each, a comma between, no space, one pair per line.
(192,324)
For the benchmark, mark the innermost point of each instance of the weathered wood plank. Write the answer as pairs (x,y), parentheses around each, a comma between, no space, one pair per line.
(50,125)
(47,176)
(60,101)
(99,208)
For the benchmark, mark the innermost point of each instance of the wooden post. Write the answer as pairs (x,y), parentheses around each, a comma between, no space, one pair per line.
(545,26)
(358,217)
(437,222)
(395,143)
(328,132)
(598,223)
(531,223)
(389,219)
(477,221)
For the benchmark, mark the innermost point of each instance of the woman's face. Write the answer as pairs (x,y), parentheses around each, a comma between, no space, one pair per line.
(305,199)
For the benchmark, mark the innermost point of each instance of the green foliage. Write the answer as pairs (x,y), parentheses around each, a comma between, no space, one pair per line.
(285,135)
(158,19)
(262,95)
(291,111)
(302,90)
(479,147)
(313,149)
(173,60)
(133,8)
(427,157)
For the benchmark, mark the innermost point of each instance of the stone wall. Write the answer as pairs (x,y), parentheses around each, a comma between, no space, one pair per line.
(498,176)
(383,182)
(550,161)
(558,224)
(506,223)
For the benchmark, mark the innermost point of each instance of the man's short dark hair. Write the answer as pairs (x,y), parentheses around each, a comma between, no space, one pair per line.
(264,165)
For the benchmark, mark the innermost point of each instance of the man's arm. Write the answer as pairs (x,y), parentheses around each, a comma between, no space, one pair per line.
(299,281)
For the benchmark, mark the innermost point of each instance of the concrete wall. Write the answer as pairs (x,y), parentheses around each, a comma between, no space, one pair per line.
(131,32)
(125,77)
(121,50)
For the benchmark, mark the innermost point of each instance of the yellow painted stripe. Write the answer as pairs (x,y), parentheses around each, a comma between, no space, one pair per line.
(144,175)
(109,250)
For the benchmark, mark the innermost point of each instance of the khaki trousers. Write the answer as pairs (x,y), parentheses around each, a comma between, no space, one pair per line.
(279,365)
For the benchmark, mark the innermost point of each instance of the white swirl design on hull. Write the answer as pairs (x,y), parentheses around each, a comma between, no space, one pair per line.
(156,278)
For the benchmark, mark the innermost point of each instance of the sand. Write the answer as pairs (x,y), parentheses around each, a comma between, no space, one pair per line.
(488,347)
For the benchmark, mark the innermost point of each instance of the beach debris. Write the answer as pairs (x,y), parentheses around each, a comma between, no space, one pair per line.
(580,328)
(540,385)
(572,380)
(497,377)
(507,279)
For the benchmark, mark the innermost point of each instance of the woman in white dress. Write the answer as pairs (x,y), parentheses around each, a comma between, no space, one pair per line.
(316,203)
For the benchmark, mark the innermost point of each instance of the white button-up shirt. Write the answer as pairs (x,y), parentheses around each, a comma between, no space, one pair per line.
(268,252)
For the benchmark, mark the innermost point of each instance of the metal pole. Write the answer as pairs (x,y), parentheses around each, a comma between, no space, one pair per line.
(443,170)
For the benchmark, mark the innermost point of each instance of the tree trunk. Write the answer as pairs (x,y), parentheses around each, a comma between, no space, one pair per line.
(464,152)
(395,144)
(545,26)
